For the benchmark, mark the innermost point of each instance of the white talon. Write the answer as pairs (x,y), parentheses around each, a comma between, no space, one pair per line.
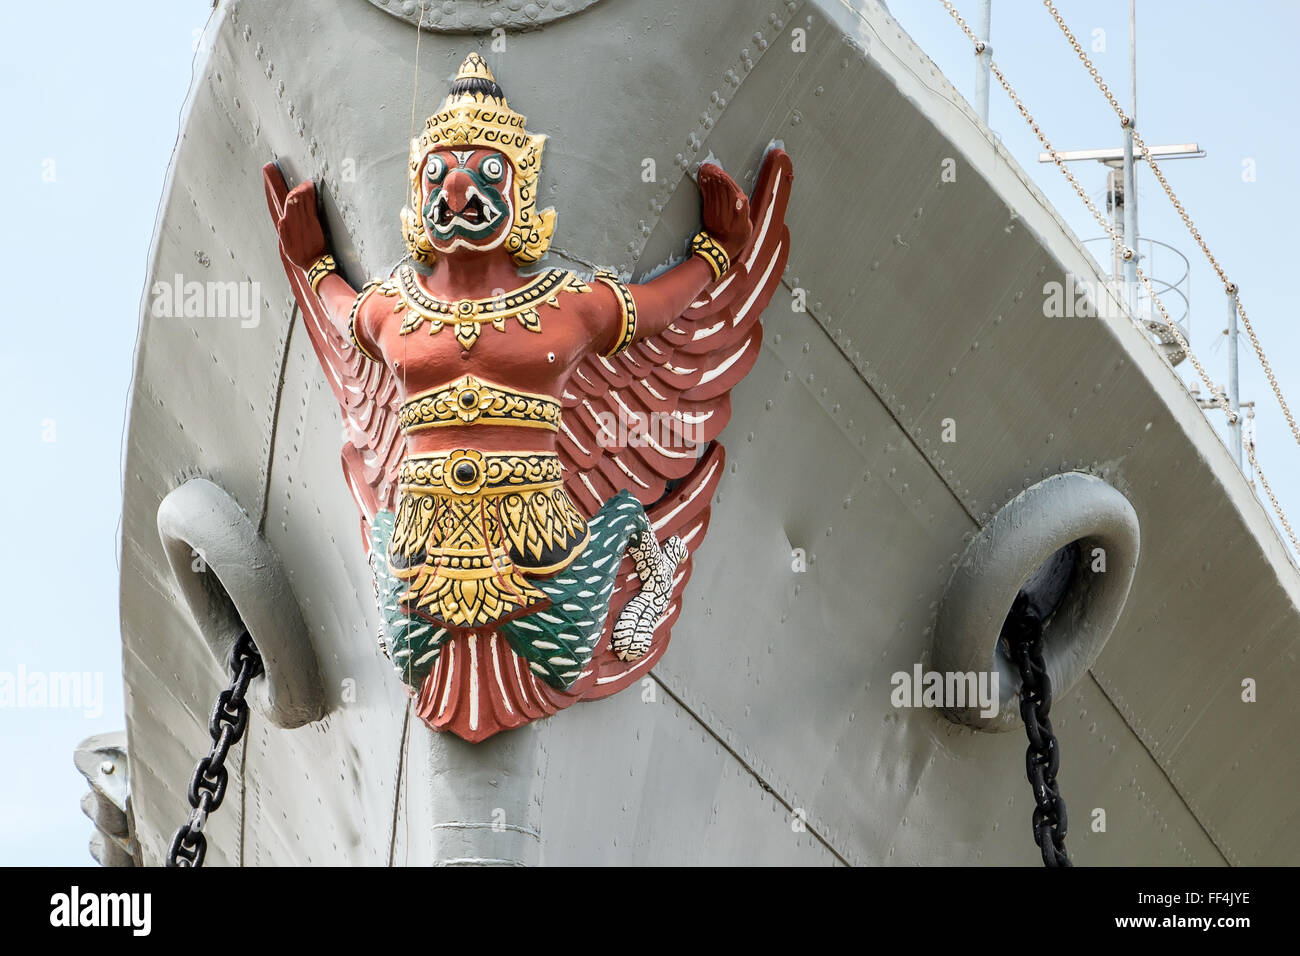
(635,628)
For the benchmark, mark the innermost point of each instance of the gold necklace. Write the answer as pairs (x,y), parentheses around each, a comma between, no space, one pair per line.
(469,315)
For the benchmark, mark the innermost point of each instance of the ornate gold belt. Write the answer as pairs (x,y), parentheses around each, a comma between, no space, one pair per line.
(468,472)
(472,526)
(471,401)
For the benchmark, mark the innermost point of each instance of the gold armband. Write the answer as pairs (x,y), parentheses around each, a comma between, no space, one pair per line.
(711,251)
(626,304)
(319,270)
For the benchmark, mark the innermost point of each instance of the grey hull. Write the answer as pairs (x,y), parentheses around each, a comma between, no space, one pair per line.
(766,734)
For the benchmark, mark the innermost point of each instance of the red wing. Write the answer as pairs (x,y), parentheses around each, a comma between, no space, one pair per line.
(672,392)
(366,390)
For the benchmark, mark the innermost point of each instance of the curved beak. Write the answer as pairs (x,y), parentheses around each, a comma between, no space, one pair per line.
(460,203)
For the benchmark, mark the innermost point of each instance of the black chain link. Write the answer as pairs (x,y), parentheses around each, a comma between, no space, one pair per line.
(1024,634)
(226,726)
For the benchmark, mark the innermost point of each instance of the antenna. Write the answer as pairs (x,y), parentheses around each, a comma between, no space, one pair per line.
(1121,187)
(984,57)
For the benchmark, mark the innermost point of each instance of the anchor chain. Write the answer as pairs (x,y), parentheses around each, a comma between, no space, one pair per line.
(226,726)
(1024,635)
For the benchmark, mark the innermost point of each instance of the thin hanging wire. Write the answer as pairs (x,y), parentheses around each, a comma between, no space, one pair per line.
(411,703)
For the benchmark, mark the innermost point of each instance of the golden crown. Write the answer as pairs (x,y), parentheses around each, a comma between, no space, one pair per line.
(476,115)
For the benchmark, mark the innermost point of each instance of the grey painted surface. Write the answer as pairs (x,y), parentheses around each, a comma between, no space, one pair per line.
(766,734)
(472,805)
(475,16)
(102,760)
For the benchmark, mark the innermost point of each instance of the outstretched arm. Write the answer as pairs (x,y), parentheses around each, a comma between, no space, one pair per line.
(725,211)
(302,240)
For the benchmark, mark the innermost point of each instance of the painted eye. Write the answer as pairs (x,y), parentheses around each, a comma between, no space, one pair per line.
(434,169)
(493,169)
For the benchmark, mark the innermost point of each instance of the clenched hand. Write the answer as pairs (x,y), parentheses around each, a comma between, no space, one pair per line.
(725,209)
(299,226)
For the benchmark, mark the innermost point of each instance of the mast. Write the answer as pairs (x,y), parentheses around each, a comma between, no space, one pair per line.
(984,57)
(1130,186)
(1234,395)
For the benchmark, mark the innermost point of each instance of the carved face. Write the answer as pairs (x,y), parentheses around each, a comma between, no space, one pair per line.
(467,199)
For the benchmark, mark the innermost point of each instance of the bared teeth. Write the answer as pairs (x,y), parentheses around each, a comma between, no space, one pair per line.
(443,211)
(474,211)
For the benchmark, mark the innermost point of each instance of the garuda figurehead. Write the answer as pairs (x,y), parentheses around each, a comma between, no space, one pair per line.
(474,172)
(506,530)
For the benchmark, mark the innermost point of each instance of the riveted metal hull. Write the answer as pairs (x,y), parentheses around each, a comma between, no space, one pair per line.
(766,734)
